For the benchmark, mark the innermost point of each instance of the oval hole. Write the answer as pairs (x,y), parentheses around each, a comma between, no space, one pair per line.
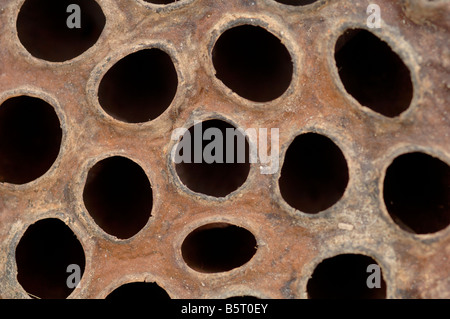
(372,73)
(30,139)
(43,29)
(253,63)
(417,193)
(148,291)
(213,171)
(314,174)
(118,196)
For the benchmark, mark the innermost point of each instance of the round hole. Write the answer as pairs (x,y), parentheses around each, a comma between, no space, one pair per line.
(49,32)
(253,63)
(161,1)
(296,2)
(372,73)
(139,87)
(243,299)
(417,193)
(214,158)
(118,196)
(348,276)
(314,175)
(43,255)
(218,247)
(30,139)
(139,291)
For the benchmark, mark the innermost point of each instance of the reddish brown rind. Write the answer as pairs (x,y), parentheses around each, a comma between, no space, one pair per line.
(290,243)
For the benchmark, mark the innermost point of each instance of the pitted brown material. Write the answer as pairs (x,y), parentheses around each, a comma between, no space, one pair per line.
(290,243)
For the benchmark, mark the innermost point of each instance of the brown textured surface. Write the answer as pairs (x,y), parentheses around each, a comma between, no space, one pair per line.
(290,243)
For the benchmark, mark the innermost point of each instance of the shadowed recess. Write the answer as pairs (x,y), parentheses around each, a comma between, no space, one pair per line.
(372,73)
(43,254)
(218,247)
(243,299)
(143,291)
(253,63)
(345,277)
(213,179)
(30,139)
(139,87)
(118,196)
(314,175)
(43,29)
(417,193)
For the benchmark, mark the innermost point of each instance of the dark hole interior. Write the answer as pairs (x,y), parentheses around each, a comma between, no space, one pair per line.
(296,2)
(139,87)
(43,254)
(214,179)
(143,291)
(118,196)
(372,73)
(218,247)
(314,175)
(30,139)
(345,277)
(417,193)
(43,31)
(253,63)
